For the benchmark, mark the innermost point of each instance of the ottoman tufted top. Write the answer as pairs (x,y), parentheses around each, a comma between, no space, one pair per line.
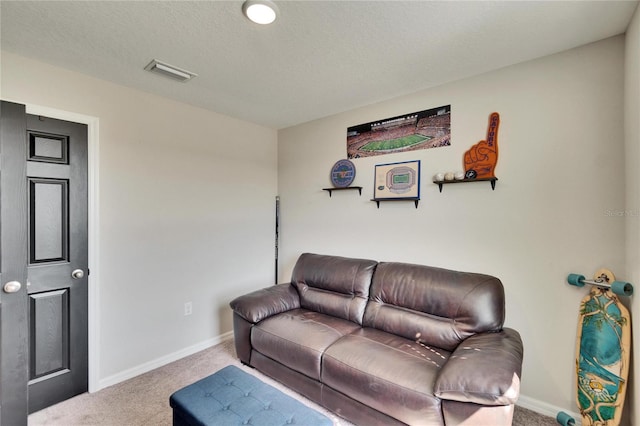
(233,397)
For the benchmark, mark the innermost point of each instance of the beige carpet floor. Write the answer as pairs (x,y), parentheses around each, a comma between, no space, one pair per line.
(144,400)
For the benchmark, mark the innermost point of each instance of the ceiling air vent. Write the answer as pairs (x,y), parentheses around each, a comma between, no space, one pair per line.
(169,71)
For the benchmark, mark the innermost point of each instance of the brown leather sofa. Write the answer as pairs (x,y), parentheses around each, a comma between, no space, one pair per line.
(386,343)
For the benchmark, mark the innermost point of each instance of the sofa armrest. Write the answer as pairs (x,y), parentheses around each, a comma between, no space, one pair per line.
(261,304)
(484,369)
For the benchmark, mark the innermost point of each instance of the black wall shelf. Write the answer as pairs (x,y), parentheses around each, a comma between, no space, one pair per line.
(492,180)
(359,188)
(415,200)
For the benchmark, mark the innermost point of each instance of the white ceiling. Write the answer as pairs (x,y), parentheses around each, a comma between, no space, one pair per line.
(319,57)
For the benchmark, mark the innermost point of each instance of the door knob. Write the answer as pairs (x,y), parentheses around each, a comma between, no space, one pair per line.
(12,287)
(77,274)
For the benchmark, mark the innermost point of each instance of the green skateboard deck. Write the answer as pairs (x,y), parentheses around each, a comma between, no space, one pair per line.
(602,354)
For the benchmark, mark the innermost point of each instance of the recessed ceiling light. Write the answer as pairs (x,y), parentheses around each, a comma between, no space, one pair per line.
(260,11)
(169,71)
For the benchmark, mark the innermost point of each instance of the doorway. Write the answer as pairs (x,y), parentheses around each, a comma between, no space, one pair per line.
(44,249)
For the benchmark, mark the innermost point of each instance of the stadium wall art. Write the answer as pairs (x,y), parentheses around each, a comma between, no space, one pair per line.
(430,128)
(397,181)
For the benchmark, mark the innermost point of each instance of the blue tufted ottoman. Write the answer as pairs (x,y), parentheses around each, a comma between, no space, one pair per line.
(233,397)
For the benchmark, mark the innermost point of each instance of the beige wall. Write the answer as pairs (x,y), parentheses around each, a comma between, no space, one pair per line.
(186,212)
(632,157)
(555,209)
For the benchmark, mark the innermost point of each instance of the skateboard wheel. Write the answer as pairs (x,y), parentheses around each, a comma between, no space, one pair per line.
(622,288)
(564,419)
(576,279)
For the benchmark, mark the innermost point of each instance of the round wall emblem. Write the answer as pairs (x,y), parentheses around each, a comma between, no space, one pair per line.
(343,173)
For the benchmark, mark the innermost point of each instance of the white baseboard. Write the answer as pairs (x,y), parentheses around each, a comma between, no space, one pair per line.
(543,407)
(159,362)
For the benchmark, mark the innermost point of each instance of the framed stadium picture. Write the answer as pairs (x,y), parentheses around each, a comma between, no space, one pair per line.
(426,129)
(396,181)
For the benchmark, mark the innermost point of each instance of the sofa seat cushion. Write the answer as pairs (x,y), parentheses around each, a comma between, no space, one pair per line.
(298,338)
(387,372)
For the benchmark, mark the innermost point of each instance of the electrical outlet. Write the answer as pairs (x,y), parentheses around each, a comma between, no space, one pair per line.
(188,308)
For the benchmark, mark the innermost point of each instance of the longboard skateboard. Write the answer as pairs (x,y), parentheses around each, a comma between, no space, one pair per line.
(602,351)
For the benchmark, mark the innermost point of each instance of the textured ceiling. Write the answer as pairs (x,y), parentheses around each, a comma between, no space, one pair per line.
(319,57)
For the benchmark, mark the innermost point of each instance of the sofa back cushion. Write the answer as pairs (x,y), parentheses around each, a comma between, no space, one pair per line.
(332,285)
(435,306)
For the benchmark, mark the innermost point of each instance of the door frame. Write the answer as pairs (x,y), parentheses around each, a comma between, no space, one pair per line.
(93,127)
